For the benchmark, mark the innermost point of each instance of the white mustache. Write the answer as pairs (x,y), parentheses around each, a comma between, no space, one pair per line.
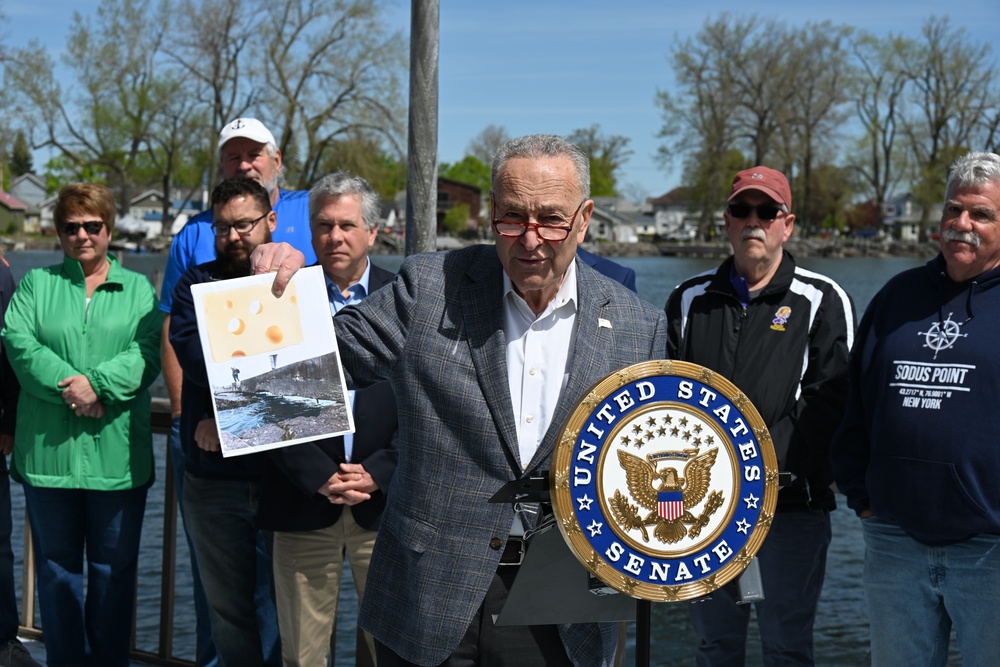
(753,233)
(971,238)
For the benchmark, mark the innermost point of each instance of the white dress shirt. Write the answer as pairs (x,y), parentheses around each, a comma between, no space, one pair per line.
(539,354)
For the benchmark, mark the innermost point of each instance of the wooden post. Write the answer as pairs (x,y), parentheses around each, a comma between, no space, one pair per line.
(421,159)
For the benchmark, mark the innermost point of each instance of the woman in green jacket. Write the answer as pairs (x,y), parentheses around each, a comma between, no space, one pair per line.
(83,340)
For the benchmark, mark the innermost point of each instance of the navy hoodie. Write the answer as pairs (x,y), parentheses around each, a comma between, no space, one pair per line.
(920,441)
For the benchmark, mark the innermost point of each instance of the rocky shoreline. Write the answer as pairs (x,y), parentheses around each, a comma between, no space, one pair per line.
(800,247)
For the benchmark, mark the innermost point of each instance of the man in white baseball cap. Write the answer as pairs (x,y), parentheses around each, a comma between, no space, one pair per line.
(246,147)
(248,128)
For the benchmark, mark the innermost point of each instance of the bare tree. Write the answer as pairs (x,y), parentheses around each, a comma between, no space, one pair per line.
(818,72)
(179,153)
(991,127)
(755,57)
(952,88)
(698,125)
(100,126)
(330,69)
(879,85)
(485,144)
(210,42)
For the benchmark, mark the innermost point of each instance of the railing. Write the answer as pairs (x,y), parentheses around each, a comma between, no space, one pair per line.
(164,652)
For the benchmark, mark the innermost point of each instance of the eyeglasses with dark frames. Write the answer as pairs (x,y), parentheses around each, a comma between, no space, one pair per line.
(513,229)
(241,226)
(92,227)
(765,212)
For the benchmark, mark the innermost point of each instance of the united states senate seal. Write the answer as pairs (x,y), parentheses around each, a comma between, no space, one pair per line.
(664,481)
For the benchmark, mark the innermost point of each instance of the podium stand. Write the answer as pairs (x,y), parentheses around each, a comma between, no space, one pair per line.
(553,588)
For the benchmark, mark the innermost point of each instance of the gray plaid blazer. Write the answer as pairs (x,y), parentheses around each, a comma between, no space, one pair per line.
(436,333)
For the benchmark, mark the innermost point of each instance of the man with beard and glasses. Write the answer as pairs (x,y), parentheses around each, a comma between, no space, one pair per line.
(916,454)
(246,148)
(220,495)
(782,335)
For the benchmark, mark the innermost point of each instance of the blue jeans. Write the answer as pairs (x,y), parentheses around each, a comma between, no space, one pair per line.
(207,656)
(96,630)
(792,567)
(916,592)
(9,619)
(221,518)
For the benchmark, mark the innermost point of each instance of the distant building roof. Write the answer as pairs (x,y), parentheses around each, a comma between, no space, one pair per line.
(681,195)
(34,179)
(155,195)
(617,204)
(11,202)
(467,186)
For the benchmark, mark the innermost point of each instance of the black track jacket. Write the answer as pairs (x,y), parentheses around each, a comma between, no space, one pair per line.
(787,351)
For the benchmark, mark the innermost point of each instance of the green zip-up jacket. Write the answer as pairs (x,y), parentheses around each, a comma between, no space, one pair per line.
(50,334)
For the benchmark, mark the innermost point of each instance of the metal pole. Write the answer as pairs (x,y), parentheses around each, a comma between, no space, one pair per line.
(643,614)
(421,160)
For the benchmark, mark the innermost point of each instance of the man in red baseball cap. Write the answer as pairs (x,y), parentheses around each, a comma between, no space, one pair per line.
(758,223)
(782,335)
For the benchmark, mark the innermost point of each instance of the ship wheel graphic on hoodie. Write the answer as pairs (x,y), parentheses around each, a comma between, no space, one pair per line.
(942,335)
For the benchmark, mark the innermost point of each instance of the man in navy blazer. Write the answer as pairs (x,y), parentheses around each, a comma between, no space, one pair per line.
(488,349)
(324,499)
(611,269)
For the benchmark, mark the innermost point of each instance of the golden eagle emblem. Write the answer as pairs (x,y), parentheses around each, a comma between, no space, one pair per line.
(642,477)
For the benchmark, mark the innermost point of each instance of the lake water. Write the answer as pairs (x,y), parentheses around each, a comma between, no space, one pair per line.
(841,624)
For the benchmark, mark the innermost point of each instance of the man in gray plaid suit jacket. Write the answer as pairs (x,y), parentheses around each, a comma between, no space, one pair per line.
(488,351)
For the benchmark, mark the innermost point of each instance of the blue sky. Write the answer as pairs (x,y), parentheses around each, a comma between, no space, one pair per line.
(558,65)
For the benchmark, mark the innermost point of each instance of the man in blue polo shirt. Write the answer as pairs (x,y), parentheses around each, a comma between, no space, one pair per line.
(246,147)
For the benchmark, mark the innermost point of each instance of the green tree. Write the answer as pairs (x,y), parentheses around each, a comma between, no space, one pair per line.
(833,190)
(470,170)
(367,156)
(20,155)
(607,153)
(456,219)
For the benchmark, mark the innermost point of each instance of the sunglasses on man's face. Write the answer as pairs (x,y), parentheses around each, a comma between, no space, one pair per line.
(765,212)
(73,228)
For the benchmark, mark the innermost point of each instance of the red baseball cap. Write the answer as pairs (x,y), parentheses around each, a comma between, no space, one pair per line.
(769,181)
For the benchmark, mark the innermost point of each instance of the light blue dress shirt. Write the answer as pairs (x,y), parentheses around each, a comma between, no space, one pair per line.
(356,293)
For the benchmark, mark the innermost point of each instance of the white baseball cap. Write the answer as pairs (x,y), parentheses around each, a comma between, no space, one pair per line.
(251,128)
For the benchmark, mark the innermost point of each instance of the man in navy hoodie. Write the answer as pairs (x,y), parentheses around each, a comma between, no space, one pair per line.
(918,452)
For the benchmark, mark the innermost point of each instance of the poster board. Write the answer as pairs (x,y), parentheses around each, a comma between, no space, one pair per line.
(273,364)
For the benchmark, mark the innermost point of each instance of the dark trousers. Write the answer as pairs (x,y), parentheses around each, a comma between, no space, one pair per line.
(792,567)
(487,645)
(95,628)
(206,653)
(8,598)
(221,517)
